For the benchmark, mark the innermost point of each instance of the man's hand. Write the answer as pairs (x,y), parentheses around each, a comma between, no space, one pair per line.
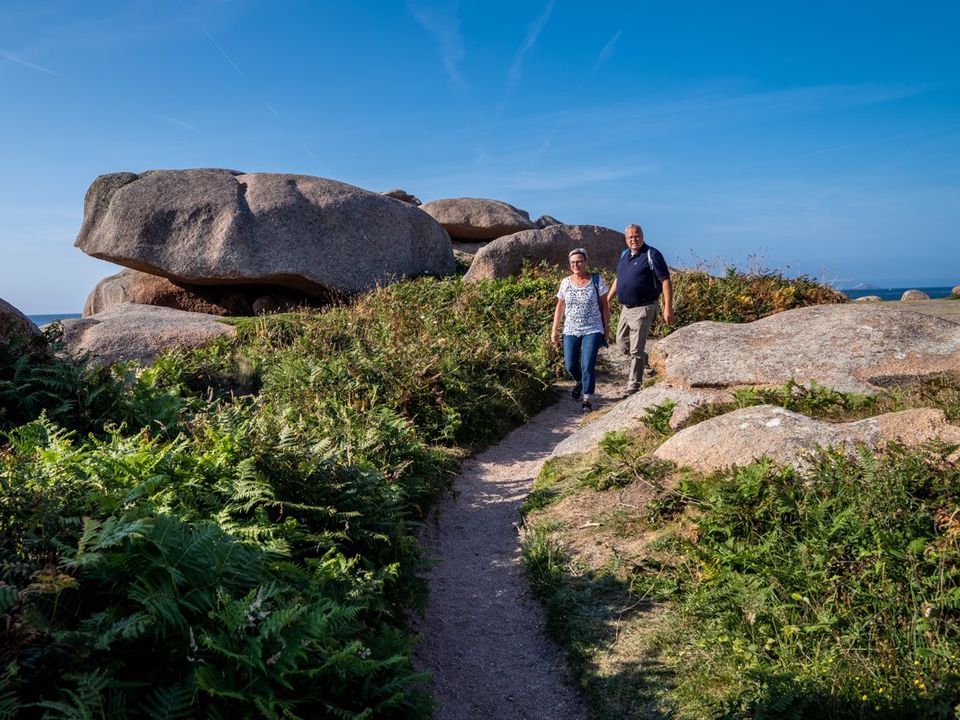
(668,315)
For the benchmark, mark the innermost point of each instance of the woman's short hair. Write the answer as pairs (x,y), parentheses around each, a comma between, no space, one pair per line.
(578,251)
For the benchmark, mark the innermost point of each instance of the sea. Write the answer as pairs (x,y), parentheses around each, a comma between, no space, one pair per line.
(896,293)
(41,320)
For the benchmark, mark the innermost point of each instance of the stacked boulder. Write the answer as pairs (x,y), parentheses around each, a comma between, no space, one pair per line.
(252,235)
(197,244)
(471,220)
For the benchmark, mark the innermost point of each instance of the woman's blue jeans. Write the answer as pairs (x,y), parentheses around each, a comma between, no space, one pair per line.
(580,359)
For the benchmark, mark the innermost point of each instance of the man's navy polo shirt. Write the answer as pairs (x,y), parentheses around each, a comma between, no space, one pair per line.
(637,282)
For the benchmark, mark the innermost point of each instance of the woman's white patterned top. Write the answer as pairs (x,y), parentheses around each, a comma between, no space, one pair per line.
(582,307)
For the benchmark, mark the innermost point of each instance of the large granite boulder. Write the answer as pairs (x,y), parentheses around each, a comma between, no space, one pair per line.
(505,255)
(210,227)
(629,413)
(955,292)
(789,438)
(133,286)
(139,332)
(472,219)
(869,298)
(855,347)
(913,295)
(14,323)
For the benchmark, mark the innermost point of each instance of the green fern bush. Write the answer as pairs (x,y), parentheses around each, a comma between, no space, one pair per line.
(35,378)
(229,533)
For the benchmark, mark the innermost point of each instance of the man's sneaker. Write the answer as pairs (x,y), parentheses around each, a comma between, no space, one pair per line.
(586,406)
(575,393)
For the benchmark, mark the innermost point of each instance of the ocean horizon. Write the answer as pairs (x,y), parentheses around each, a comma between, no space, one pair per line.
(47,318)
(935,293)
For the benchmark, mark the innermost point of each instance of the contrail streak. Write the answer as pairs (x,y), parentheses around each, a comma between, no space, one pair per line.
(222,51)
(20,61)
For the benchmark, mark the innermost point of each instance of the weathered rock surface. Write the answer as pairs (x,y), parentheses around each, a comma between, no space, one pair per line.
(955,291)
(627,414)
(546,221)
(911,295)
(14,323)
(869,298)
(505,255)
(209,227)
(786,437)
(133,286)
(856,347)
(139,332)
(467,219)
(402,196)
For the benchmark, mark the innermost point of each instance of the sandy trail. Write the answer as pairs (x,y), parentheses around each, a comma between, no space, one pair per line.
(483,633)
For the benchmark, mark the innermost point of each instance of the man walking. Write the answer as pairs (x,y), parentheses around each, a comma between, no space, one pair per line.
(642,276)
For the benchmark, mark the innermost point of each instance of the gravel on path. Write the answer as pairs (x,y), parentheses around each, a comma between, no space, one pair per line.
(483,633)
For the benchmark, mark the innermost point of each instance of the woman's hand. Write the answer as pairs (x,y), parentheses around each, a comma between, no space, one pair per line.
(555,338)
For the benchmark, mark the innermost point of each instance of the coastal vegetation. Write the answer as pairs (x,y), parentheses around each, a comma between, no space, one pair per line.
(742,296)
(760,591)
(230,531)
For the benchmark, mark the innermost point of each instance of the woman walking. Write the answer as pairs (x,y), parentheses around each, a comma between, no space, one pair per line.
(582,304)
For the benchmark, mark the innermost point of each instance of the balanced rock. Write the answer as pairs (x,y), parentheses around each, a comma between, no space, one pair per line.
(505,255)
(789,438)
(855,347)
(133,286)
(402,196)
(911,295)
(14,323)
(214,227)
(869,298)
(629,413)
(139,332)
(472,219)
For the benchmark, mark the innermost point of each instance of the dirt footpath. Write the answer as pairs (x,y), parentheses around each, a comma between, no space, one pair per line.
(483,634)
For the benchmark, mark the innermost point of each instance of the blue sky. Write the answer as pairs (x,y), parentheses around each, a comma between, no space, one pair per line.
(821,138)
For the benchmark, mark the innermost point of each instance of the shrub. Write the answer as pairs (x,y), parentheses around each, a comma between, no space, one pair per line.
(741,297)
(830,595)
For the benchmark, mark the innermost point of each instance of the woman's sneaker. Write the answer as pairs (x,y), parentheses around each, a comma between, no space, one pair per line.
(586,406)
(575,393)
